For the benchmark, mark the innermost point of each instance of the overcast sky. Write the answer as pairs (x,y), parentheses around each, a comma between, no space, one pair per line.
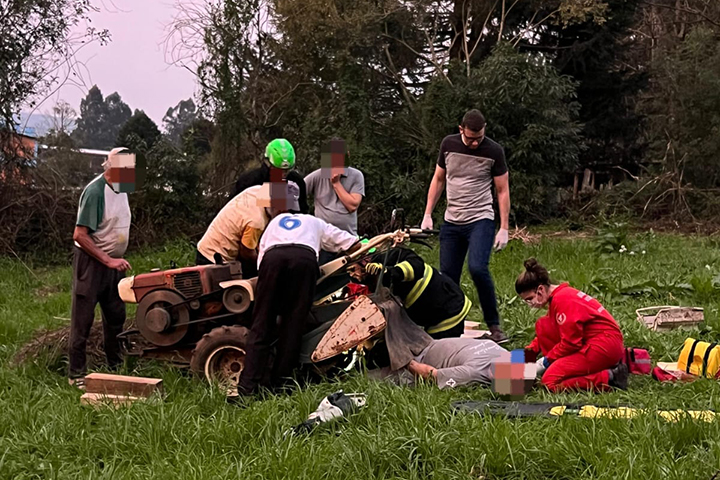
(133,63)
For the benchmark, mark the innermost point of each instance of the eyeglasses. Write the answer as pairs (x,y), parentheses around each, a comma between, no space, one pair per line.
(530,301)
(472,140)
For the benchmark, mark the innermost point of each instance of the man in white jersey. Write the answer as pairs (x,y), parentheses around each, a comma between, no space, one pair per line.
(101,238)
(288,270)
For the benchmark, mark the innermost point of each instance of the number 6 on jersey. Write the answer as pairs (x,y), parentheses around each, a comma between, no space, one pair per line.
(290,223)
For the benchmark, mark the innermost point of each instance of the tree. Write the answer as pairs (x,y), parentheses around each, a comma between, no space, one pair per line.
(197,138)
(368,71)
(118,112)
(172,192)
(139,133)
(90,131)
(62,121)
(178,118)
(100,119)
(38,49)
(531,110)
(683,109)
(603,58)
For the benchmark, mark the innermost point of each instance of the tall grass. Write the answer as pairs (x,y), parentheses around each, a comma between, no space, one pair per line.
(402,433)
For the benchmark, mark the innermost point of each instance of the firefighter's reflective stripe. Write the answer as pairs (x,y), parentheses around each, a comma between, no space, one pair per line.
(408,274)
(419,287)
(451,322)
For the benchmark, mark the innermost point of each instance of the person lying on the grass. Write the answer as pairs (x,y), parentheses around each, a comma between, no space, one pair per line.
(431,299)
(581,342)
(450,362)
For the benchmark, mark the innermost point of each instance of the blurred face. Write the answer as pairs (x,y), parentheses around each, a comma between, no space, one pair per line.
(537,298)
(120,172)
(278,197)
(332,158)
(472,138)
(278,175)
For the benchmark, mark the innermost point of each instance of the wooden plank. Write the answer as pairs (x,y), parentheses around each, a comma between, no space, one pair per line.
(101,399)
(104,383)
(470,325)
(680,317)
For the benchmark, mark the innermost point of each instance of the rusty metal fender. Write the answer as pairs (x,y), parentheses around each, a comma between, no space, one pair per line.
(125,290)
(249,284)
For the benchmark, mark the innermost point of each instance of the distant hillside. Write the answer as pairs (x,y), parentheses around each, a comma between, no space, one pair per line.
(35,124)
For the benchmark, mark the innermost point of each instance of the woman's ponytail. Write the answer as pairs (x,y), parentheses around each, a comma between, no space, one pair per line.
(533,276)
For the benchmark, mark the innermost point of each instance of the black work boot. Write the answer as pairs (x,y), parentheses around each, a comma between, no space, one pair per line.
(619,374)
(497,335)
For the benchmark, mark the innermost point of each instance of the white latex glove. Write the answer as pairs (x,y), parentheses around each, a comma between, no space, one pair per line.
(540,362)
(501,239)
(427,223)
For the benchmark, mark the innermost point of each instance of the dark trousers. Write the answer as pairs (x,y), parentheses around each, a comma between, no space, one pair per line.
(285,289)
(249,267)
(94,283)
(474,240)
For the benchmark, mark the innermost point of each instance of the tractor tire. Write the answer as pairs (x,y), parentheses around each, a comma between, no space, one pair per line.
(219,356)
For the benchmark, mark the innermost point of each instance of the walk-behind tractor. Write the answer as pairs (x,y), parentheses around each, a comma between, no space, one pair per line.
(200,316)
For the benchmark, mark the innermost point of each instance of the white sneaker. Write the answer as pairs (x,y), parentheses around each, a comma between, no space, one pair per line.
(78,382)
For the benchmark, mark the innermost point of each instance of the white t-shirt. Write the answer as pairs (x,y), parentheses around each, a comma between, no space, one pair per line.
(299,229)
(106,214)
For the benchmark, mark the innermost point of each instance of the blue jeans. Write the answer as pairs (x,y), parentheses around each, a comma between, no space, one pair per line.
(477,238)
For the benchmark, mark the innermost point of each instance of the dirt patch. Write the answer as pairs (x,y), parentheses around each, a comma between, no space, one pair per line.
(668,226)
(527,237)
(47,290)
(687,227)
(52,345)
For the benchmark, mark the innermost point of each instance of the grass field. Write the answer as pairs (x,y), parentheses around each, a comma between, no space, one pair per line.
(402,433)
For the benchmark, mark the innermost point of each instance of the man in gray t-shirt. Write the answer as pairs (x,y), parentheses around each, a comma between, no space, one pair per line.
(336,189)
(451,362)
(459,361)
(470,165)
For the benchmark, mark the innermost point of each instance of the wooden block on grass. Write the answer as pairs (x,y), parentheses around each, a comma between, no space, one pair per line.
(100,399)
(107,384)
(470,325)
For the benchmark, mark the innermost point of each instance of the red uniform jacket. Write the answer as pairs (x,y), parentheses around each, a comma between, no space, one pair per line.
(579,319)
(547,335)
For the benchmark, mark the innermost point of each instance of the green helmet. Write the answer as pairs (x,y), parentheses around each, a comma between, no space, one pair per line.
(280,154)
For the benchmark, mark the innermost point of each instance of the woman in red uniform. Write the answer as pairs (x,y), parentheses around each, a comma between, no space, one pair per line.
(581,342)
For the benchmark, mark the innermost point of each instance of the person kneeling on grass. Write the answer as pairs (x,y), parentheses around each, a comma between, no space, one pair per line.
(432,300)
(581,342)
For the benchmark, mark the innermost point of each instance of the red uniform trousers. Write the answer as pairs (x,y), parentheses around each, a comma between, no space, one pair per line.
(588,368)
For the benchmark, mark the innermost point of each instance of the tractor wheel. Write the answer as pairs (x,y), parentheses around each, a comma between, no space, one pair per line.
(219,356)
